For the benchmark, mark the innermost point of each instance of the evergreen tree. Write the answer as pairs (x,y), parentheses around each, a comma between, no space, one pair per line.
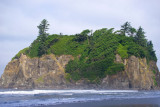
(150,45)
(83,36)
(125,28)
(132,32)
(43,27)
(86,33)
(152,55)
(140,37)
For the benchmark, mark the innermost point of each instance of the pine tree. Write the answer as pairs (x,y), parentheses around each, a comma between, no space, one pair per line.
(43,27)
(125,28)
(151,51)
(140,37)
(132,32)
(84,35)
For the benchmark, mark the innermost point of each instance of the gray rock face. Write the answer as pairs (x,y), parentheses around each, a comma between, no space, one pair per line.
(137,75)
(44,72)
(49,72)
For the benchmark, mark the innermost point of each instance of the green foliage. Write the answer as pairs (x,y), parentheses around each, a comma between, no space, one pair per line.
(42,49)
(116,67)
(125,28)
(151,52)
(105,45)
(66,45)
(154,72)
(23,51)
(155,82)
(72,66)
(140,37)
(92,71)
(43,27)
(82,36)
(33,49)
(68,76)
(122,51)
(132,32)
(95,60)
(85,32)
(136,50)
(40,79)
(95,70)
(94,54)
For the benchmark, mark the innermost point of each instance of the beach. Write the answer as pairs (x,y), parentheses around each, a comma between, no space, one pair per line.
(142,102)
(79,98)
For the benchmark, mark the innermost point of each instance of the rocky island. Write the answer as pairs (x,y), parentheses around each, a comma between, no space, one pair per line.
(104,59)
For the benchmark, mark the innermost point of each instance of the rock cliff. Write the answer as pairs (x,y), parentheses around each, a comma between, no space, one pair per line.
(137,75)
(44,72)
(49,72)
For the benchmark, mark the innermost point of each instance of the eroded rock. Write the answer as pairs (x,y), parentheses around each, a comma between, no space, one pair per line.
(49,72)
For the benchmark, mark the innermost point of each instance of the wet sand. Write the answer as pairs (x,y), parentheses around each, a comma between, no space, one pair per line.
(142,102)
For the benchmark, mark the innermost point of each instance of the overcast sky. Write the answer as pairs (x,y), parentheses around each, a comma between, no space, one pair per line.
(19,20)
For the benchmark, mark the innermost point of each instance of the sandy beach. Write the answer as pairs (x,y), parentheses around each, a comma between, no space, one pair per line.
(142,102)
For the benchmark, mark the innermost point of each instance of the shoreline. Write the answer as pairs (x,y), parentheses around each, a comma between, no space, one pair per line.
(141,102)
(80,98)
(18,89)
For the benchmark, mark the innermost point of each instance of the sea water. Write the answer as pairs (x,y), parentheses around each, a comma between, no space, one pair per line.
(16,98)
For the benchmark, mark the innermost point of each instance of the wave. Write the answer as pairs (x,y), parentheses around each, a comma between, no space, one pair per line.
(30,98)
(67,92)
(46,102)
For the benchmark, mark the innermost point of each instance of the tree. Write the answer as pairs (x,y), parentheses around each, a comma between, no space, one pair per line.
(132,32)
(151,51)
(150,45)
(83,36)
(86,33)
(80,37)
(43,27)
(125,28)
(140,37)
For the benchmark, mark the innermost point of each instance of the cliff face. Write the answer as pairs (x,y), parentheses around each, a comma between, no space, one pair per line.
(137,75)
(49,72)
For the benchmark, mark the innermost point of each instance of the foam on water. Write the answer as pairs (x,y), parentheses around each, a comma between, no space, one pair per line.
(53,101)
(53,97)
(66,91)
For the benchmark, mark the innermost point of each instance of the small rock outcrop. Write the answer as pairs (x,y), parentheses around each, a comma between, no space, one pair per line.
(49,72)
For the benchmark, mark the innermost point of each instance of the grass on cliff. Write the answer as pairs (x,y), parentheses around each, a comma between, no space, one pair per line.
(65,45)
(94,53)
(154,80)
(23,51)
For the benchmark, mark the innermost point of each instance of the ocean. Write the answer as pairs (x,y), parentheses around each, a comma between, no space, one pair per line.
(79,98)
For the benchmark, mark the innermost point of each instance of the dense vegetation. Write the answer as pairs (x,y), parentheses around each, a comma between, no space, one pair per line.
(94,53)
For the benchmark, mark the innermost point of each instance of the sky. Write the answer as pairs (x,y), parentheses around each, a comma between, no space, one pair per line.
(19,20)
